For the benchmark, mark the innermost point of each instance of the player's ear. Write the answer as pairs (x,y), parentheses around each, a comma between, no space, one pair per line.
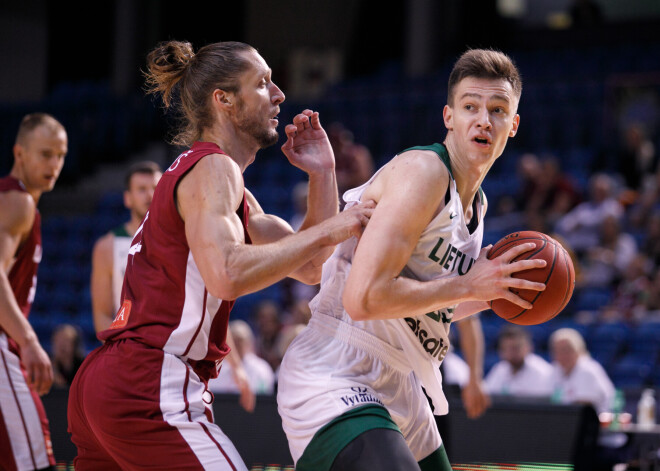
(448,116)
(223,99)
(18,151)
(516,123)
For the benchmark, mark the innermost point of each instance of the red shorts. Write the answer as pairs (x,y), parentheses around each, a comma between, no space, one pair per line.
(135,407)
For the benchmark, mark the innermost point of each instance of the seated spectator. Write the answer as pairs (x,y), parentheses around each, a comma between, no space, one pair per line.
(546,190)
(632,291)
(605,263)
(269,327)
(354,164)
(576,377)
(520,372)
(579,227)
(259,373)
(637,157)
(68,354)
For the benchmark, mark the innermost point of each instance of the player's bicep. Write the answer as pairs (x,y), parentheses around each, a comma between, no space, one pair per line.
(410,197)
(208,197)
(16,219)
(101,278)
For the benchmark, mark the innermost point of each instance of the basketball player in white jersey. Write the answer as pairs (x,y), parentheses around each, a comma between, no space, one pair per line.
(111,251)
(350,385)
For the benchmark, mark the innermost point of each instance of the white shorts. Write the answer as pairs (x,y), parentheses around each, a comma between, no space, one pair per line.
(331,368)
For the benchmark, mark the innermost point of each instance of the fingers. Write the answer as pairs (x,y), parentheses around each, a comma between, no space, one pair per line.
(517,250)
(41,378)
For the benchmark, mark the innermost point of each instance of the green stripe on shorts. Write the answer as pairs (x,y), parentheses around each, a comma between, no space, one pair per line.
(339,432)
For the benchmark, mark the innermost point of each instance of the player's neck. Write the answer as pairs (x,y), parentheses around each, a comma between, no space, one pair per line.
(18,175)
(132,225)
(468,177)
(236,145)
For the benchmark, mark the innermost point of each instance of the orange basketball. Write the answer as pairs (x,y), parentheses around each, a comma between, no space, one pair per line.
(558,276)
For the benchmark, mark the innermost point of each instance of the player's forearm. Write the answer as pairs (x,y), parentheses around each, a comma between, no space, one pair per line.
(402,297)
(249,268)
(472,346)
(12,320)
(322,198)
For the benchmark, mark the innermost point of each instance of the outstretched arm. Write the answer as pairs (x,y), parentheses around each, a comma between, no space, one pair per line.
(16,220)
(101,283)
(475,398)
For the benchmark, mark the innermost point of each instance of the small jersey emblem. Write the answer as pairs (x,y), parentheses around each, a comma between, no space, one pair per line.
(121,319)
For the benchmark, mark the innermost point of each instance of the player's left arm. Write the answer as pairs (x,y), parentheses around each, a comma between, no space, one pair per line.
(101,283)
(266,228)
(475,398)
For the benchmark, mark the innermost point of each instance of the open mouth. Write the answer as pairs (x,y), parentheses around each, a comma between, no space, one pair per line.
(482,140)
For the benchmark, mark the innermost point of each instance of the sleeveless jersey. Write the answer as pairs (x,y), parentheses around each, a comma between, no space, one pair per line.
(23,271)
(121,243)
(445,248)
(165,303)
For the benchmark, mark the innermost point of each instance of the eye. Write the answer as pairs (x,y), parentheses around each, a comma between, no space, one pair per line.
(469,107)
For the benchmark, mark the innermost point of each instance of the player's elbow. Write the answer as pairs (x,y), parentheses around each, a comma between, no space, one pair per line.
(309,274)
(357,305)
(225,285)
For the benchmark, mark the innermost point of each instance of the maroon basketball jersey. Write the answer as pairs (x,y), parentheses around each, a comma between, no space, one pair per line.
(23,273)
(165,303)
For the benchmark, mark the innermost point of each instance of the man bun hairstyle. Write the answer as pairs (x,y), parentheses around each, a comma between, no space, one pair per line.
(185,80)
(484,64)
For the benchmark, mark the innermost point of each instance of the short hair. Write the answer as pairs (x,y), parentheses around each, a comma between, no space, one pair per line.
(146,167)
(32,121)
(514,332)
(573,337)
(486,64)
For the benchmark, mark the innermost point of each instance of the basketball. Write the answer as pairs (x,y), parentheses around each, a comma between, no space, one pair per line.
(558,276)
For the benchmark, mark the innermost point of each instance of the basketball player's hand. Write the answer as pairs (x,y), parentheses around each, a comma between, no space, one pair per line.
(491,279)
(475,398)
(350,222)
(247,398)
(307,146)
(38,367)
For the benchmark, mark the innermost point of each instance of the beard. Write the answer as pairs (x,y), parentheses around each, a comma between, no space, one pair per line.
(252,125)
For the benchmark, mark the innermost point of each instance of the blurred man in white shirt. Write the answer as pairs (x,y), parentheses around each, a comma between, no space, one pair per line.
(520,372)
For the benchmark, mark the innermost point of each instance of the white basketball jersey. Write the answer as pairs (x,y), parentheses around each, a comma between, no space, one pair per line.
(446,248)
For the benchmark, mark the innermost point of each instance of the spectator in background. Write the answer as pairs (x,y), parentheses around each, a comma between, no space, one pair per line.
(520,372)
(637,157)
(111,251)
(605,263)
(546,190)
(580,227)
(354,164)
(259,373)
(651,244)
(632,291)
(576,377)
(68,354)
(269,328)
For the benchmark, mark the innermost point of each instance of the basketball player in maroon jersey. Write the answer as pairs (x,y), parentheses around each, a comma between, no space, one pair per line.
(137,401)
(25,369)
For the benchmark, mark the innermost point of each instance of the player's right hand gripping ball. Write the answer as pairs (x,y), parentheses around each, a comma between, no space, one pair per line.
(558,276)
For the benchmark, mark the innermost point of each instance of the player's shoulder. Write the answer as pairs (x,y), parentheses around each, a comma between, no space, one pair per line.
(19,212)
(421,162)
(103,245)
